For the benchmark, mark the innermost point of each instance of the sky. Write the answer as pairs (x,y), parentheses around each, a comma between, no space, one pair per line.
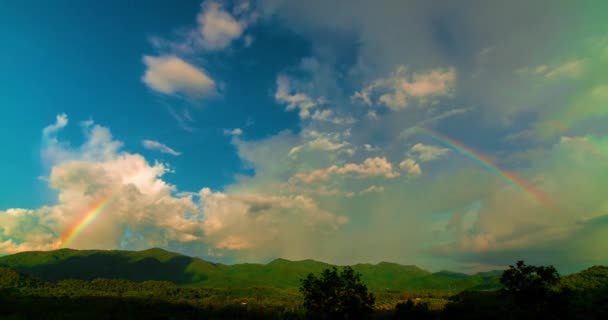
(451,135)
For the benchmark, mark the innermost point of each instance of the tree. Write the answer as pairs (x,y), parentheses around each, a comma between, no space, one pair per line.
(529,282)
(335,295)
(534,290)
(411,310)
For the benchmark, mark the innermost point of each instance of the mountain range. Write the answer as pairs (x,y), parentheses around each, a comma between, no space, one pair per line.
(162,265)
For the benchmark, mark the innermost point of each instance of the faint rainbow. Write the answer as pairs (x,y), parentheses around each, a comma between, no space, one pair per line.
(509,177)
(85,220)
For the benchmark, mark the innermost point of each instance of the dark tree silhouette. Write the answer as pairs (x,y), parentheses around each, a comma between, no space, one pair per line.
(411,310)
(529,282)
(535,291)
(335,295)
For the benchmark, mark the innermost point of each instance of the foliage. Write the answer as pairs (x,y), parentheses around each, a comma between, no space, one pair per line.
(529,283)
(336,295)
(412,310)
(537,292)
(583,295)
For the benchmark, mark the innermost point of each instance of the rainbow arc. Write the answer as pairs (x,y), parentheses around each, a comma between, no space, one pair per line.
(84,221)
(509,177)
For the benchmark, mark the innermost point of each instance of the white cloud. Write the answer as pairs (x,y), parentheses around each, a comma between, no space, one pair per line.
(60,122)
(155,145)
(235,221)
(328,116)
(568,69)
(217,27)
(397,90)
(170,74)
(324,144)
(96,171)
(216,30)
(370,148)
(411,166)
(319,143)
(372,189)
(571,69)
(377,166)
(234,132)
(323,115)
(427,152)
(294,101)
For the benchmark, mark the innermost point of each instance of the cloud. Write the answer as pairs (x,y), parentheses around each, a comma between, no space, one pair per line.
(234,221)
(464,212)
(155,145)
(427,152)
(60,122)
(216,30)
(328,116)
(370,148)
(217,27)
(372,189)
(479,218)
(377,166)
(318,143)
(397,90)
(137,199)
(436,41)
(323,115)
(524,228)
(294,101)
(170,75)
(568,69)
(234,132)
(411,166)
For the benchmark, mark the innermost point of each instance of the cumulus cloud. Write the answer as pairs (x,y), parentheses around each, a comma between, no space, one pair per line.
(323,115)
(217,27)
(284,94)
(155,145)
(427,152)
(170,75)
(397,90)
(234,221)
(411,166)
(156,214)
(322,143)
(377,166)
(372,189)
(137,198)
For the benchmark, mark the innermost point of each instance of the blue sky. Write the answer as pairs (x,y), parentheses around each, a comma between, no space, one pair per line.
(250,130)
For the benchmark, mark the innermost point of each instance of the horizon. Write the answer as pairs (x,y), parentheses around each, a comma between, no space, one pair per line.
(374,263)
(450,136)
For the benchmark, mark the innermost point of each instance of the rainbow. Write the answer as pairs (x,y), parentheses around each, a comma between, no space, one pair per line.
(509,177)
(84,221)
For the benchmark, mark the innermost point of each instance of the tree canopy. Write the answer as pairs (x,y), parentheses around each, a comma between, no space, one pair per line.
(336,295)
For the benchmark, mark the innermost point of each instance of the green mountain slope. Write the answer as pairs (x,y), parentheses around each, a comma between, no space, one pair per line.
(152,264)
(158,264)
(13,279)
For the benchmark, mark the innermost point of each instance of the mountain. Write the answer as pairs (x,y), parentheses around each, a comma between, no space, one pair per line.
(13,279)
(158,264)
(593,278)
